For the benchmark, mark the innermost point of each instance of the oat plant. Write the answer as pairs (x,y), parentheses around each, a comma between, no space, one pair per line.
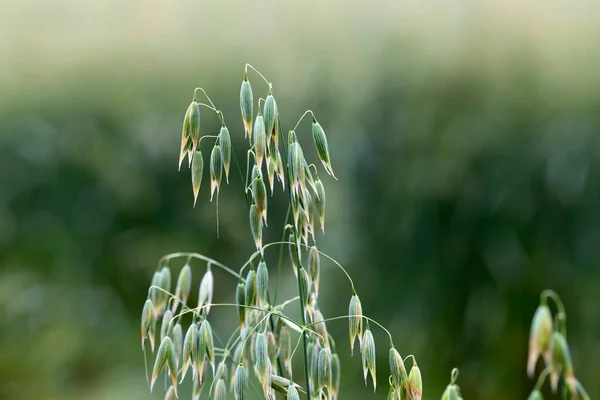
(257,357)
(548,340)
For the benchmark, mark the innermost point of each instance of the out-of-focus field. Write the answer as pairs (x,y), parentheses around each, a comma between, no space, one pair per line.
(464,136)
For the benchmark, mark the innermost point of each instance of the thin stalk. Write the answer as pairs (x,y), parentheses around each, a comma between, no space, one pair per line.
(542,378)
(217,264)
(348,316)
(551,294)
(337,264)
(302,117)
(257,71)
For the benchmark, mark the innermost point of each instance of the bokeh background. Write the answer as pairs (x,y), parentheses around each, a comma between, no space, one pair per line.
(464,136)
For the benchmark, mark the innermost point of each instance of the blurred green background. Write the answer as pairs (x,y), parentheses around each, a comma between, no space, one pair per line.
(464,136)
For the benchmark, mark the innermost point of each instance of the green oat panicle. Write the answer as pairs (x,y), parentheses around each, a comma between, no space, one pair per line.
(415,383)
(320,202)
(260,139)
(276,133)
(355,321)
(183,287)
(256,227)
(262,282)
(368,357)
(165,324)
(262,357)
(206,290)
(190,132)
(397,368)
(240,299)
(260,197)
(561,363)
(293,393)
(190,349)
(178,342)
(324,376)
(251,289)
(314,266)
(270,112)
(240,382)
(246,104)
(165,357)
(322,147)
(197,170)
(207,343)
(539,337)
(304,284)
(148,323)
(225,145)
(271,168)
(216,170)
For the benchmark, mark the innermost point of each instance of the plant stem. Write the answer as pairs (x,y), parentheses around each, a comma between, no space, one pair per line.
(302,117)
(258,72)
(551,294)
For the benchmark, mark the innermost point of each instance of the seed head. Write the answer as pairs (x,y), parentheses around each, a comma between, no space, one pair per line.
(320,327)
(539,337)
(171,395)
(197,389)
(321,145)
(324,375)
(271,168)
(216,170)
(276,132)
(397,368)
(320,202)
(368,356)
(260,139)
(304,285)
(184,285)
(270,111)
(285,350)
(293,249)
(225,143)
(165,324)
(272,349)
(240,299)
(293,393)
(296,162)
(256,226)
(162,282)
(260,197)
(207,343)
(280,171)
(197,169)
(262,357)
(355,320)
(535,395)
(220,390)
(561,363)
(415,384)
(165,357)
(251,288)
(178,342)
(314,266)
(205,293)
(148,323)
(190,349)
(336,374)
(190,132)
(262,282)
(240,382)
(246,104)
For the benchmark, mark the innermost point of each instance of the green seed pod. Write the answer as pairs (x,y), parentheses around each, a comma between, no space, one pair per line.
(320,202)
(207,343)
(256,226)
(165,357)
(165,324)
(251,288)
(170,395)
(197,169)
(186,145)
(270,111)
(159,296)
(225,143)
(276,132)
(194,110)
(155,293)
(205,293)
(190,349)
(199,356)
(260,197)
(293,249)
(260,139)
(240,383)
(304,285)
(178,342)
(184,285)
(296,162)
(314,266)
(415,384)
(321,145)
(272,349)
(320,326)
(246,104)
(397,368)
(216,170)
(293,393)
(285,350)
(539,336)
(313,364)
(535,395)
(221,371)
(280,170)
(561,362)
(324,376)
(190,132)
(148,323)
(261,350)
(220,390)
(368,356)
(271,169)
(355,320)
(262,282)
(336,374)
(240,299)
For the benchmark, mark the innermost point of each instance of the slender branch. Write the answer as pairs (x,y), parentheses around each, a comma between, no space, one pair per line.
(348,316)
(551,294)
(302,117)
(336,263)
(206,95)
(582,390)
(214,262)
(257,71)
(540,381)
